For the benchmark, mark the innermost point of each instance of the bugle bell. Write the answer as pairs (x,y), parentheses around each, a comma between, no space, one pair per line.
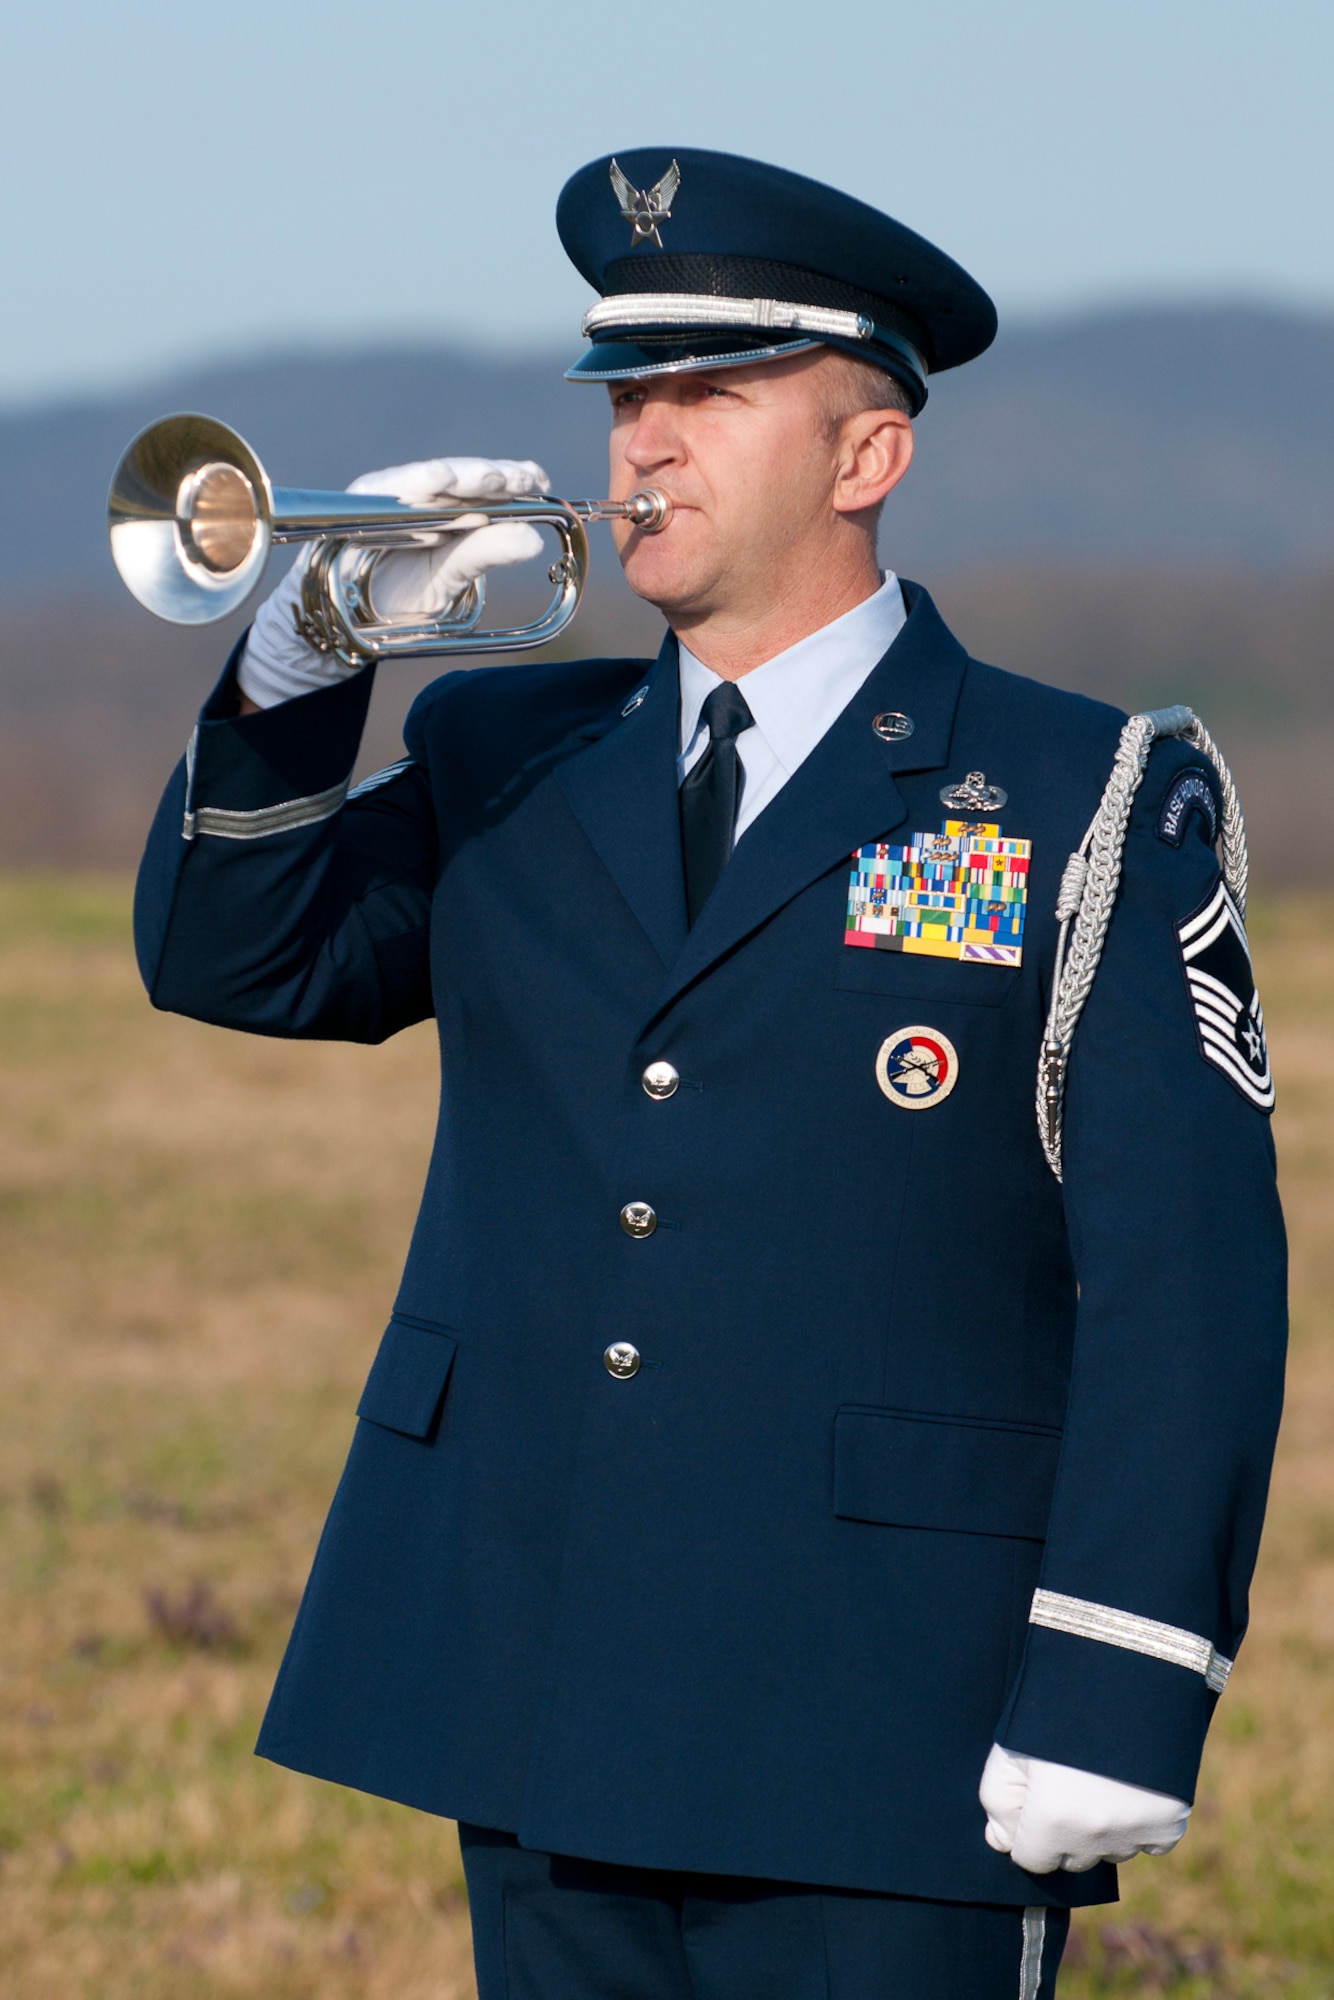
(193,514)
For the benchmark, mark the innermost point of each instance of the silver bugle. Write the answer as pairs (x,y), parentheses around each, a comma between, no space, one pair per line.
(192,515)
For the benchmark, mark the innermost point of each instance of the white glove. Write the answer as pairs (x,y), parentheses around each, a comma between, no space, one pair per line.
(278,663)
(1048,1816)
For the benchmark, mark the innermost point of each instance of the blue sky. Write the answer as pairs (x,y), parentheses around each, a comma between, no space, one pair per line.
(178,184)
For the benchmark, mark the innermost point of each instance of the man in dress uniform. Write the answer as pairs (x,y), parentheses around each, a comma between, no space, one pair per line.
(780,1433)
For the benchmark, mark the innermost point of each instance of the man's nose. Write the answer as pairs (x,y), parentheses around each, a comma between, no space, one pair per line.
(656,437)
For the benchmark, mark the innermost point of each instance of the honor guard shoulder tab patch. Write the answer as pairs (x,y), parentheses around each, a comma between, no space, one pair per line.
(960,893)
(1190,792)
(1230,1027)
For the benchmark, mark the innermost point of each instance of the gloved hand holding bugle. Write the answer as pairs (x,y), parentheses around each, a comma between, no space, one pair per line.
(418,581)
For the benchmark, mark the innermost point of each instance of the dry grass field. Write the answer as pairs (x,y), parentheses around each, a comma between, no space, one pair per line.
(200,1235)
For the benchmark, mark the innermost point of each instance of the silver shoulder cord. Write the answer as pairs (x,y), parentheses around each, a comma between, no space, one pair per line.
(1088,894)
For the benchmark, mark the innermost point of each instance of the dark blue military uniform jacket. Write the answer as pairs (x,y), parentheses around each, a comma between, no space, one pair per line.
(762,1608)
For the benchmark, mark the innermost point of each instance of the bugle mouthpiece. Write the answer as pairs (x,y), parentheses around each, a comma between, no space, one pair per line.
(648,510)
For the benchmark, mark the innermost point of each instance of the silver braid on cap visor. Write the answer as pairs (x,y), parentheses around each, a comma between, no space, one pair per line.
(697,311)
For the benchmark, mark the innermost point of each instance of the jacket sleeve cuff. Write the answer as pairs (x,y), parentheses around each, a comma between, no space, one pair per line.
(285,766)
(1107,1708)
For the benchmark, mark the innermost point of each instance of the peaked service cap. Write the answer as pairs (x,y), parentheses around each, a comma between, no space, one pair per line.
(706,260)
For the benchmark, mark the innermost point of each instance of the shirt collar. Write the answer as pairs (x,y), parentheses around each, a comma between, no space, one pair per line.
(797,695)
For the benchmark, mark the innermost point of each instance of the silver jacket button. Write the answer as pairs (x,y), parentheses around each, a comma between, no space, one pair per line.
(621,1360)
(638,1219)
(660,1079)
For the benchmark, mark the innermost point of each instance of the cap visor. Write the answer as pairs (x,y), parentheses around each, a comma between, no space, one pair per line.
(619,360)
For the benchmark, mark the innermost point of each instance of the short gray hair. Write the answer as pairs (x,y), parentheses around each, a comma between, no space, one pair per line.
(856,385)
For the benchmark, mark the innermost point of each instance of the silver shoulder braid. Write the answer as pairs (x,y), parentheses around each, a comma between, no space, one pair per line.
(1088,894)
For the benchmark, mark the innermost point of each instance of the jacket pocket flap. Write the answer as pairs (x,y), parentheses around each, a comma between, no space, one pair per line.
(897,975)
(970,1475)
(407,1381)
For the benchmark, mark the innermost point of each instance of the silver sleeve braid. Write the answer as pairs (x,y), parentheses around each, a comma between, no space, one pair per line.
(1088,895)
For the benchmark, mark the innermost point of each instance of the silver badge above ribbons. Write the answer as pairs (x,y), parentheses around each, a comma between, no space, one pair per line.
(645,208)
(974,795)
(893,726)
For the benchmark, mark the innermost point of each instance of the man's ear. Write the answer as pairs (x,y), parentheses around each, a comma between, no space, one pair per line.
(874,451)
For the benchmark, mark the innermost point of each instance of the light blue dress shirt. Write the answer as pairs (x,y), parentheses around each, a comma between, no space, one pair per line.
(794,698)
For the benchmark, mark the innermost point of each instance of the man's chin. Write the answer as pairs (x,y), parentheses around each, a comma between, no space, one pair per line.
(674,605)
(664,582)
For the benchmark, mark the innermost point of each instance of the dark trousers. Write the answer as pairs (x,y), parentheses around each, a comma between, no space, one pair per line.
(546,1927)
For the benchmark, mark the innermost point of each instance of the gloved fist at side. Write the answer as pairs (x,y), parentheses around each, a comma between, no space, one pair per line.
(421,581)
(1048,1816)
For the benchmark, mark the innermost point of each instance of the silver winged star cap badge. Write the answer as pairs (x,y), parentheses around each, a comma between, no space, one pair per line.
(645,208)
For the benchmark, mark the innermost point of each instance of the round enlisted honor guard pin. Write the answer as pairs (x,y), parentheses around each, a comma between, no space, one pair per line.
(917,1067)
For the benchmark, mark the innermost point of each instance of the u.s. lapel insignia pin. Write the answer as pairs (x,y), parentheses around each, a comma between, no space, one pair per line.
(646,209)
(974,795)
(916,1068)
(893,726)
(636,700)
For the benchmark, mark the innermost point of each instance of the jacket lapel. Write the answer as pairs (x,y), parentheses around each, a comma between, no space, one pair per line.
(622,790)
(841,797)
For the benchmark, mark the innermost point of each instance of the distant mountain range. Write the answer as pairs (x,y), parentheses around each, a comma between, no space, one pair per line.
(1136,504)
(1161,437)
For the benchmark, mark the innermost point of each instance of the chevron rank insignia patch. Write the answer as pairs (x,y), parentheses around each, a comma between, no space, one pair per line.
(1216,960)
(960,893)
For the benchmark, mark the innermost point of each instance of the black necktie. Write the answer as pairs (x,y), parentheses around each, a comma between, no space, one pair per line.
(711,796)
